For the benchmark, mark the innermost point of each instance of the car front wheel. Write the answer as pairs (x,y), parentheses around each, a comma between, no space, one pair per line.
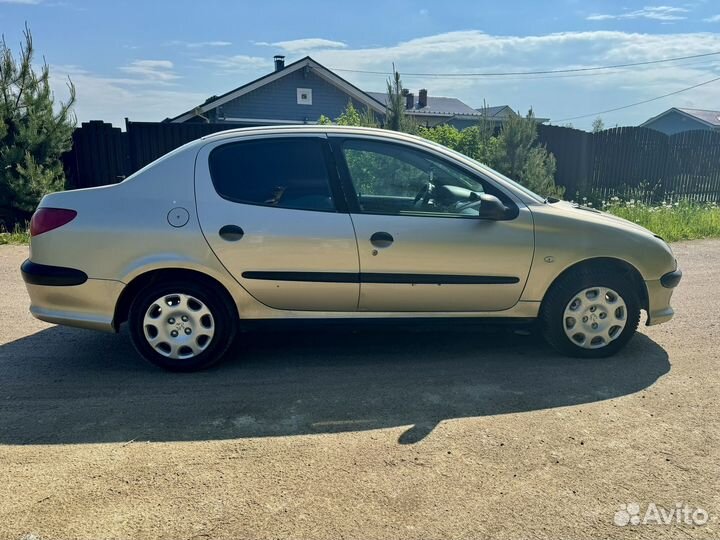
(590,314)
(180,326)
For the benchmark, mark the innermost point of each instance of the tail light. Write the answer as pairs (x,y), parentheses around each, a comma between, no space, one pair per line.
(47,219)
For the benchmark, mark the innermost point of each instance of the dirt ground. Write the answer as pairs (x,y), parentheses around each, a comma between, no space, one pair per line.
(409,433)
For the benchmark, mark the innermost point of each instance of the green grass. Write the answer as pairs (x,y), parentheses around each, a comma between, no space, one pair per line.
(20,235)
(673,221)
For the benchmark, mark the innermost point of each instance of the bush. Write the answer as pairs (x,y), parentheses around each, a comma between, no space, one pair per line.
(352,117)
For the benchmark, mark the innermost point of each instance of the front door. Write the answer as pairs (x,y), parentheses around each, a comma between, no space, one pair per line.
(268,210)
(422,246)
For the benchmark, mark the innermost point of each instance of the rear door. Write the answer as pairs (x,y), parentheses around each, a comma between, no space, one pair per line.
(271,210)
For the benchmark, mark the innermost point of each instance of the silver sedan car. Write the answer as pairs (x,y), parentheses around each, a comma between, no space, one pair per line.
(327,222)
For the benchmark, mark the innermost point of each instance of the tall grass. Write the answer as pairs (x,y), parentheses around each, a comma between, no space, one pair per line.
(673,221)
(19,235)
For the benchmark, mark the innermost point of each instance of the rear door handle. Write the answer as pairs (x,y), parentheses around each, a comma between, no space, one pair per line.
(381,239)
(231,233)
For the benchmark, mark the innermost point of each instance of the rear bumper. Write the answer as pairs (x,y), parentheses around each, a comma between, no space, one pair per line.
(56,276)
(58,295)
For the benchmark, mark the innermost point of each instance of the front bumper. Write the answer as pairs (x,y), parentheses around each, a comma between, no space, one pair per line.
(59,295)
(659,293)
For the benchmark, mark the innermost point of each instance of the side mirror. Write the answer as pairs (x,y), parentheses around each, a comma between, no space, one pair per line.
(491,208)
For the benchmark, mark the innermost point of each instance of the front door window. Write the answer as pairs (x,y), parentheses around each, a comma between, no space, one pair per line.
(397,180)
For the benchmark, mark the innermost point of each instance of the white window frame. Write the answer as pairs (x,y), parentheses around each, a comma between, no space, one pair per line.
(306,91)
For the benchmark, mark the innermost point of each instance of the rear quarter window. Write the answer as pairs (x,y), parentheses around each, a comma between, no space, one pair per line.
(282,173)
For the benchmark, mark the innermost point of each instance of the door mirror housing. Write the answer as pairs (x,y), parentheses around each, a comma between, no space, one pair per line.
(492,208)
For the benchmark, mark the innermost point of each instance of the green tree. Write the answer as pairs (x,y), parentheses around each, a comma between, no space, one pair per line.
(34,131)
(598,125)
(395,117)
(514,152)
(521,158)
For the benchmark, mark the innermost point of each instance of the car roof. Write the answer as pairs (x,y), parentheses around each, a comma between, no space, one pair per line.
(315,128)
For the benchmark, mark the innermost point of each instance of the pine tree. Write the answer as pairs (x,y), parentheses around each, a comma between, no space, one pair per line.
(521,158)
(395,116)
(34,132)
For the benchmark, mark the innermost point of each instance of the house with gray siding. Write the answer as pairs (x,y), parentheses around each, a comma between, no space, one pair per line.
(677,120)
(301,92)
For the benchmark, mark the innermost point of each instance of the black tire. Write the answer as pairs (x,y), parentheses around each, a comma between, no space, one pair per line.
(223,320)
(552,316)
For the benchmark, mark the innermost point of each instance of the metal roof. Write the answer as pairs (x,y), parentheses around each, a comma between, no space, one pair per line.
(707,117)
(711,117)
(436,105)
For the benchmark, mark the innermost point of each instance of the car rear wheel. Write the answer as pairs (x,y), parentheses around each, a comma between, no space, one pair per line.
(590,314)
(180,326)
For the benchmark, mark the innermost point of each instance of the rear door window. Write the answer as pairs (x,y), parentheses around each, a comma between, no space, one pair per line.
(284,173)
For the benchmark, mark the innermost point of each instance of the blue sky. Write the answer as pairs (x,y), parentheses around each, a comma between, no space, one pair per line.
(153,59)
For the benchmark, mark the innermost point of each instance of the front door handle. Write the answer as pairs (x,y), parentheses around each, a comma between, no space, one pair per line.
(231,233)
(381,239)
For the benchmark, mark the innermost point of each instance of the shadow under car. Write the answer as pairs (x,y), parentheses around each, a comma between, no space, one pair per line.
(63,385)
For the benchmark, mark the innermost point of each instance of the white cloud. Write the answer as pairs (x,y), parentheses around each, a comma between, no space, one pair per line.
(112,99)
(553,96)
(714,18)
(236,63)
(141,96)
(25,2)
(305,44)
(658,13)
(155,70)
(198,44)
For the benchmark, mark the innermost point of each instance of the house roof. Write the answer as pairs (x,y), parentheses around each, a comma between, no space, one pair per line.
(499,111)
(376,101)
(436,106)
(711,117)
(306,62)
(707,117)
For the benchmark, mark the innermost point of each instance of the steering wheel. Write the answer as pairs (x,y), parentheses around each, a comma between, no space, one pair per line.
(425,193)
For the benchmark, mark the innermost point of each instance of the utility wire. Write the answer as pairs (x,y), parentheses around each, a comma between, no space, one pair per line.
(542,72)
(701,64)
(638,103)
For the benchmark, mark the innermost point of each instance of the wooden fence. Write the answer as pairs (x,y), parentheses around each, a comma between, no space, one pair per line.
(103,154)
(630,162)
(635,162)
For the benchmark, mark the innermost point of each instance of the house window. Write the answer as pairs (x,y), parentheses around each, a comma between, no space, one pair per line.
(304,96)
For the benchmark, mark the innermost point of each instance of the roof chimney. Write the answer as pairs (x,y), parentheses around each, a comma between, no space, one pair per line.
(409,100)
(422,98)
(279,62)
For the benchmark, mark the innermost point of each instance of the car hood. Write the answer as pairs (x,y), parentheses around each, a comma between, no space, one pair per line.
(591,214)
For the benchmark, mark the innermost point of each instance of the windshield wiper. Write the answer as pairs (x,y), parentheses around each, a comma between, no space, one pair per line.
(551,200)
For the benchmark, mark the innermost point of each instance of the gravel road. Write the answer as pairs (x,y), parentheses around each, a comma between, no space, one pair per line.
(368,433)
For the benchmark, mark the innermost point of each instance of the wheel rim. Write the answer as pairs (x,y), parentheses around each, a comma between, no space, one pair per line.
(178,326)
(595,317)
